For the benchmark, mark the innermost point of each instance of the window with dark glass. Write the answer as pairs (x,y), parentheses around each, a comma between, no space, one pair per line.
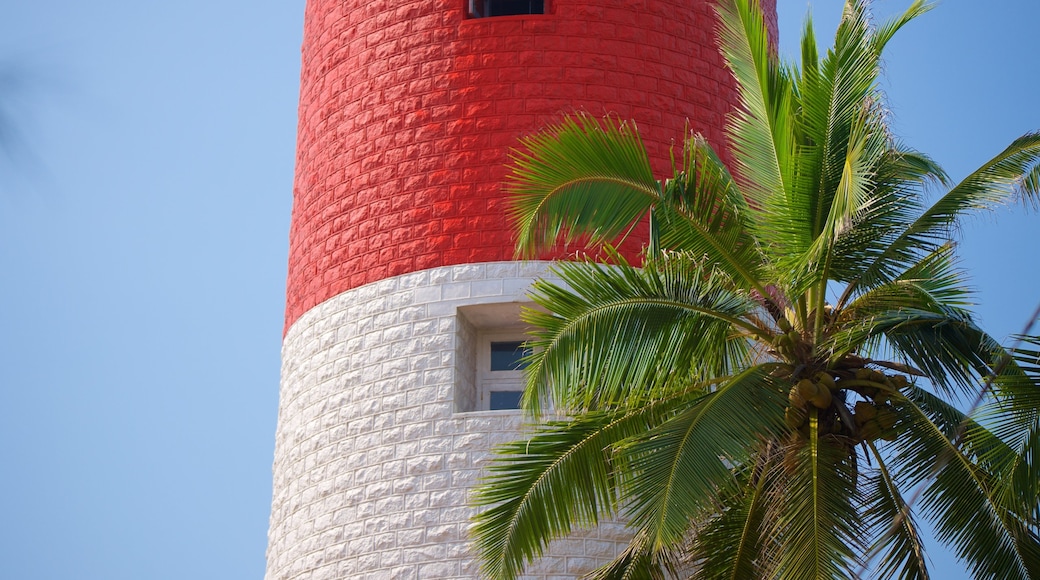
(483,8)
(504,386)
(490,341)
(508,355)
(502,400)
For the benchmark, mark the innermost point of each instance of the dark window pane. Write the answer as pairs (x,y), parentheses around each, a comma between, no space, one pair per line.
(505,356)
(480,8)
(505,400)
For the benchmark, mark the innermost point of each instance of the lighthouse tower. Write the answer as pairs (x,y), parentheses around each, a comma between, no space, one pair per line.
(402,301)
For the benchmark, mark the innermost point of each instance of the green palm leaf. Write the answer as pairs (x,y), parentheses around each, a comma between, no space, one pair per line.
(886,30)
(562,477)
(1013,415)
(899,178)
(681,465)
(992,184)
(704,214)
(934,283)
(922,318)
(579,178)
(761,131)
(816,518)
(967,514)
(637,562)
(719,402)
(621,335)
(733,544)
(899,543)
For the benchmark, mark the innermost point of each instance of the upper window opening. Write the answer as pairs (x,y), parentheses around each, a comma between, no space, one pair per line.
(508,356)
(490,342)
(483,8)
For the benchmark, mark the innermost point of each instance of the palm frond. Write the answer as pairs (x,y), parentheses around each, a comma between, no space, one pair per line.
(1030,186)
(932,285)
(1020,380)
(899,179)
(680,468)
(933,282)
(887,513)
(1011,408)
(703,213)
(844,206)
(1014,416)
(618,335)
(948,346)
(923,320)
(994,183)
(638,561)
(562,477)
(760,131)
(886,30)
(838,117)
(1020,487)
(985,532)
(578,179)
(840,138)
(732,545)
(817,515)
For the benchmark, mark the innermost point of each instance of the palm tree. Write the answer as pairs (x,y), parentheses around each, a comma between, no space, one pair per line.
(769,392)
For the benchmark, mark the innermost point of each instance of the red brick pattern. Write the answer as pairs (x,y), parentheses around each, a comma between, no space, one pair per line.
(408,110)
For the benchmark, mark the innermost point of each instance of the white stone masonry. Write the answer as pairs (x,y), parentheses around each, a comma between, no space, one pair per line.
(377,446)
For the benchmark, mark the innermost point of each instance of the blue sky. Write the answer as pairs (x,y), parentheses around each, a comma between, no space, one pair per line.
(143,235)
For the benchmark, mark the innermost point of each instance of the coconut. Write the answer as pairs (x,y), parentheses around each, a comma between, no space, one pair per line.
(864,412)
(796,398)
(822,400)
(807,389)
(825,379)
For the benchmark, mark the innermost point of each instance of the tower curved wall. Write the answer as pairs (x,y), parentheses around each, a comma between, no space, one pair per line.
(407,113)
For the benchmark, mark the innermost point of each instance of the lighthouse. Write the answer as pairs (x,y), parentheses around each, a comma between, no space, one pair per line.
(402,328)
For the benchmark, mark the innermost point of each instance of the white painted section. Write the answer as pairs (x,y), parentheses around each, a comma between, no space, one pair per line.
(373,463)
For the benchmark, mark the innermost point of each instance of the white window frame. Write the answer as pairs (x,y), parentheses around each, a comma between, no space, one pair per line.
(489,380)
(477,326)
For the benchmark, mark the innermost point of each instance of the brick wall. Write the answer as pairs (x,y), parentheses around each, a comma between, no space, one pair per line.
(407,113)
(373,464)
(408,109)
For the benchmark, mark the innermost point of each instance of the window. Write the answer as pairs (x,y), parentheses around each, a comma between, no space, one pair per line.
(483,8)
(508,355)
(489,352)
(500,378)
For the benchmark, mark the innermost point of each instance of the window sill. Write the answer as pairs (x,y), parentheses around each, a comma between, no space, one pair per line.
(488,413)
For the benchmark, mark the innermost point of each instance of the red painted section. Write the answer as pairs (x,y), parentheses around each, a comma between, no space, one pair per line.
(408,111)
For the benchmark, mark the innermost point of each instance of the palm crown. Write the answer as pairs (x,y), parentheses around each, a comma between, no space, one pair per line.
(764,395)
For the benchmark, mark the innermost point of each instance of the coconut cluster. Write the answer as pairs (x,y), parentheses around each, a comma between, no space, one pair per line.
(788,344)
(870,418)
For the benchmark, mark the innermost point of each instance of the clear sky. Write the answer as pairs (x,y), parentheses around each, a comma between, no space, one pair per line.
(143,235)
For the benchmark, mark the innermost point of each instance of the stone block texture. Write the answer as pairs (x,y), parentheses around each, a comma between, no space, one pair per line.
(408,110)
(373,460)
